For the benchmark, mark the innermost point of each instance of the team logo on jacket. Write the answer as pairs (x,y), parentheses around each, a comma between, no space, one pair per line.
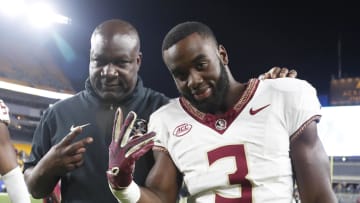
(182,129)
(220,124)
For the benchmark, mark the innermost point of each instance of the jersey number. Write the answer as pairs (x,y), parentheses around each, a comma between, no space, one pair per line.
(238,177)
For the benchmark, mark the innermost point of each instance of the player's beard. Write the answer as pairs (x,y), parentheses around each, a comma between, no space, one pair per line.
(216,102)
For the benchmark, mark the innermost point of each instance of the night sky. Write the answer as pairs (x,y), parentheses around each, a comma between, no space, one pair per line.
(256,36)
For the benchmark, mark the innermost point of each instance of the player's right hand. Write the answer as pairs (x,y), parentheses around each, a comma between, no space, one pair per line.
(67,155)
(125,149)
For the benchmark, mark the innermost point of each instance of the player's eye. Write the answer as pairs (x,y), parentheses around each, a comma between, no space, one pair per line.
(180,76)
(200,65)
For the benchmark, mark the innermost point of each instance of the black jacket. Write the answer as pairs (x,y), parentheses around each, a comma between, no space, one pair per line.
(89,183)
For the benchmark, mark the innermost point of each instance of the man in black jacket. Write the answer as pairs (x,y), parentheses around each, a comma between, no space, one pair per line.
(58,151)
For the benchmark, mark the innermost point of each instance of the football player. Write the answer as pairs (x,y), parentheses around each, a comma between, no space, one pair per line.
(9,169)
(230,141)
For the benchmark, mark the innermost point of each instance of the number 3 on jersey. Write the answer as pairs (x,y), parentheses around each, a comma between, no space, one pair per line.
(236,178)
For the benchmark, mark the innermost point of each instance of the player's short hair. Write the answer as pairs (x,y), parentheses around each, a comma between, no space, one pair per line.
(185,29)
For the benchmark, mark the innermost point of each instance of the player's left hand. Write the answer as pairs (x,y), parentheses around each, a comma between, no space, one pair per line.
(277,72)
(125,149)
(4,113)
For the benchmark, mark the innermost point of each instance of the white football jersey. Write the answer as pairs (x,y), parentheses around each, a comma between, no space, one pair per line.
(242,155)
(4,113)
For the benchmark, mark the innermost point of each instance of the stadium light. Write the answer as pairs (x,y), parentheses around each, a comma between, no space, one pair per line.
(33,91)
(12,8)
(43,15)
(39,14)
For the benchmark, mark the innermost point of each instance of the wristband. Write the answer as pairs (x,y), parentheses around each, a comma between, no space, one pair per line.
(129,194)
(16,187)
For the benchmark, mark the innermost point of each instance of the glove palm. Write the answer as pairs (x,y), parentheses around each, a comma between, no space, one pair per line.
(125,148)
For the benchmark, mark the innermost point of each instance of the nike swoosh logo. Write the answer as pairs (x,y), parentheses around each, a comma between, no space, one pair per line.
(72,128)
(253,112)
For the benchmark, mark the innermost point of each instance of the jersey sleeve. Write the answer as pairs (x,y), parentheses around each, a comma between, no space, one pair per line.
(4,113)
(157,125)
(302,107)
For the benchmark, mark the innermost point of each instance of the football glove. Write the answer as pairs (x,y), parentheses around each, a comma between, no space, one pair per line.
(127,146)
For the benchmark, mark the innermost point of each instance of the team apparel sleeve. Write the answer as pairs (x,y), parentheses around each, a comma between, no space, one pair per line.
(4,113)
(16,187)
(300,104)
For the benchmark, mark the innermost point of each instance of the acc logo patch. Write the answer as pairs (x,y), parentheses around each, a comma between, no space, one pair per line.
(182,129)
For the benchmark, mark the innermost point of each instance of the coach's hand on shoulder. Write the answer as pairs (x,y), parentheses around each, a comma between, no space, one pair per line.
(277,72)
(127,146)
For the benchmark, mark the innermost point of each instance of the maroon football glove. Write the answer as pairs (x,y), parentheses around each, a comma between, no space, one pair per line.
(127,146)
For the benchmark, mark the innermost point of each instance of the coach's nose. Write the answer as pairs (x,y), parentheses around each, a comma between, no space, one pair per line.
(109,70)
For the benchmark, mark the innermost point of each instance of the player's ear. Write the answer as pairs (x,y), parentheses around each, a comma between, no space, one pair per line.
(223,54)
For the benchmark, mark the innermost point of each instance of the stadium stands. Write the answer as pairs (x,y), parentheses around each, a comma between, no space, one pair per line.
(29,64)
(32,65)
